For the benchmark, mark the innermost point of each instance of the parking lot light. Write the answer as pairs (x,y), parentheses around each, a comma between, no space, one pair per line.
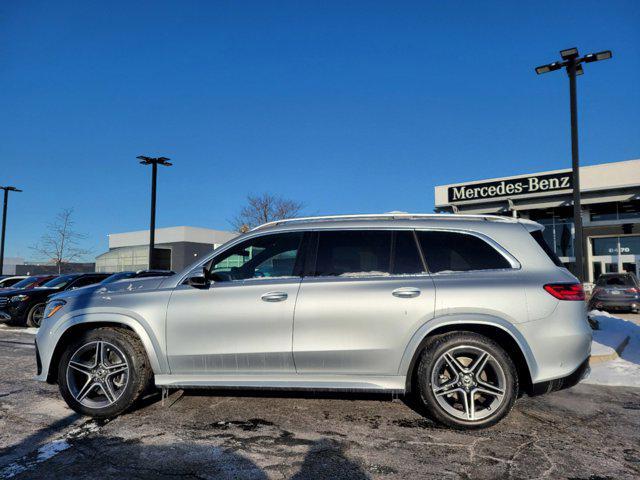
(572,62)
(4,221)
(154,162)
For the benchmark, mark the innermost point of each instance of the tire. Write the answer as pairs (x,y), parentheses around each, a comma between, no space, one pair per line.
(34,317)
(444,382)
(110,387)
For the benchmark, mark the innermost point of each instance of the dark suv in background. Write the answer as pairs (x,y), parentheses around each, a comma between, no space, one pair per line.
(26,306)
(616,291)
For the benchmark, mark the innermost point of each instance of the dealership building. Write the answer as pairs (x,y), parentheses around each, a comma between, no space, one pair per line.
(176,248)
(610,198)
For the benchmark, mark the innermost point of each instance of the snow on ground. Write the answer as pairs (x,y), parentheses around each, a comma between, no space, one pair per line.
(623,371)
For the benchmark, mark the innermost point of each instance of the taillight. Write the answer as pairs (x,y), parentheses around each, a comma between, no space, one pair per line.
(566,291)
(632,290)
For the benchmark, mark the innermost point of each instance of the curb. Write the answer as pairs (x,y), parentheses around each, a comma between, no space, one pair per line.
(610,356)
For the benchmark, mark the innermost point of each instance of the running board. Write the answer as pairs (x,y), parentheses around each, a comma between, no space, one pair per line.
(363,383)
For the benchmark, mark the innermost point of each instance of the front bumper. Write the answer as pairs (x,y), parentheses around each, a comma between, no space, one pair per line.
(5,317)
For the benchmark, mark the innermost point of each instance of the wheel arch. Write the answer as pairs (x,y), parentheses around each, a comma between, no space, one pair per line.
(499,330)
(89,322)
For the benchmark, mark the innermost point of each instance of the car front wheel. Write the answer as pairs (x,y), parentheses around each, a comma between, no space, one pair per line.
(103,372)
(466,380)
(35,315)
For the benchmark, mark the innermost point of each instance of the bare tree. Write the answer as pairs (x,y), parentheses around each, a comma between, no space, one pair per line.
(61,243)
(265,208)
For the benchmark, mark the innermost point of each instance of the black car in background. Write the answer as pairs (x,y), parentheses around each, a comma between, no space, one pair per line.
(616,291)
(26,307)
(7,281)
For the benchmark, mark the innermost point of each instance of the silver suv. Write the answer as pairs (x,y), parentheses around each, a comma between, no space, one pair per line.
(464,312)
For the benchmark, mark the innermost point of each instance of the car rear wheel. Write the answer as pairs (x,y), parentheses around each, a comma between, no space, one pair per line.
(466,380)
(35,315)
(103,372)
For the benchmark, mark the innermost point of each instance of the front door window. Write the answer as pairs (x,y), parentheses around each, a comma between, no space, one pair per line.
(269,256)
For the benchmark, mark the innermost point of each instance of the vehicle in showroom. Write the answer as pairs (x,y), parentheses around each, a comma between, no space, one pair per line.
(26,307)
(463,312)
(616,291)
(8,281)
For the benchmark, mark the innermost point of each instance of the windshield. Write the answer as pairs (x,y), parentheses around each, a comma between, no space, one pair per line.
(25,283)
(117,276)
(59,282)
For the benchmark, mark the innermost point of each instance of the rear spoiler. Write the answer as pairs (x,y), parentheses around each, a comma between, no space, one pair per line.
(530,225)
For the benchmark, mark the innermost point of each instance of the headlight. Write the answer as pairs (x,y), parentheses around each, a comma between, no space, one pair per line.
(52,307)
(19,298)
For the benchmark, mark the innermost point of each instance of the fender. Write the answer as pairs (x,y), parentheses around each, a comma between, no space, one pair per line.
(466,319)
(157,360)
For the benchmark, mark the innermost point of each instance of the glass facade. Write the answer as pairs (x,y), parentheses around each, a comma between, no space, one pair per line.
(124,259)
(615,211)
(558,231)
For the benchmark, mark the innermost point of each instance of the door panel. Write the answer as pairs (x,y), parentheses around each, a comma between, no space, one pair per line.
(242,323)
(231,328)
(358,325)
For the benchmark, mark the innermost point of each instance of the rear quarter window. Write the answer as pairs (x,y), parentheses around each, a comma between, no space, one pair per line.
(459,252)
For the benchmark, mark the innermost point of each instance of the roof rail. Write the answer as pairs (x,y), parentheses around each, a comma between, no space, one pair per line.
(389,216)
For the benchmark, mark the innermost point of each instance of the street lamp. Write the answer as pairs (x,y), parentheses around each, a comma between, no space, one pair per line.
(4,221)
(573,63)
(154,162)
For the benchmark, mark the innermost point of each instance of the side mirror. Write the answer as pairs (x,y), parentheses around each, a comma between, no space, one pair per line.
(200,281)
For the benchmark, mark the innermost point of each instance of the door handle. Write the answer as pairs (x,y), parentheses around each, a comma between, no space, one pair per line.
(406,292)
(274,297)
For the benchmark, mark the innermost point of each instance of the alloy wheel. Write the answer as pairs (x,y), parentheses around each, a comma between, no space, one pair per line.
(468,383)
(97,374)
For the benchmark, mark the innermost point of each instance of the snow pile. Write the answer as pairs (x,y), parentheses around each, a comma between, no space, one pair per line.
(623,371)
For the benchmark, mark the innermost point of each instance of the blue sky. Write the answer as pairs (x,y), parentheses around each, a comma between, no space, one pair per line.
(349,107)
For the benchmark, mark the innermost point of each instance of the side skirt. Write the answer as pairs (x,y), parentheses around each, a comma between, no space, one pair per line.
(361,383)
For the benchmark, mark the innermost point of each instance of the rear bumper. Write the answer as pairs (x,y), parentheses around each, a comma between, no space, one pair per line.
(559,343)
(608,302)
(562,383)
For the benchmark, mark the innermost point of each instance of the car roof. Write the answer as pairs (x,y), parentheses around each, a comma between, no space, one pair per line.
(393,219)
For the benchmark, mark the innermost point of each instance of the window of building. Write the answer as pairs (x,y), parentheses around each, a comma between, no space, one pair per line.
(558,231)
(267,256)
(459,252)
(628,245)
(615,211)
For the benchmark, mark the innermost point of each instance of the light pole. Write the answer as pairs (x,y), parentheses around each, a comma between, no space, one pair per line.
(573,64)
(154,162)
(4,221)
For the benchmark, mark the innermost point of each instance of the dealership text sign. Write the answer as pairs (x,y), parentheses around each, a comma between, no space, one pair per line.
(511,187)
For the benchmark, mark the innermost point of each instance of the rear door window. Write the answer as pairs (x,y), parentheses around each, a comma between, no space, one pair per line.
(355,253)
(459,252)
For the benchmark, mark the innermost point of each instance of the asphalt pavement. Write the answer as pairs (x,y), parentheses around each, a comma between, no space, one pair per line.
(587,433)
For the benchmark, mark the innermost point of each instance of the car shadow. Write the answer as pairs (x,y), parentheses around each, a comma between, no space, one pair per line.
(118,457)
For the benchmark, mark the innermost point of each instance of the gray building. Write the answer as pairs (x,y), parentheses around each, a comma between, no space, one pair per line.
(176,248)
(610,198)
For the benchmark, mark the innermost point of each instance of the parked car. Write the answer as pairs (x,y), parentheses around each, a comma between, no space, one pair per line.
(137,274)
(28,282)
(8,281)
(26,307)
(616,291)
(463,312)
